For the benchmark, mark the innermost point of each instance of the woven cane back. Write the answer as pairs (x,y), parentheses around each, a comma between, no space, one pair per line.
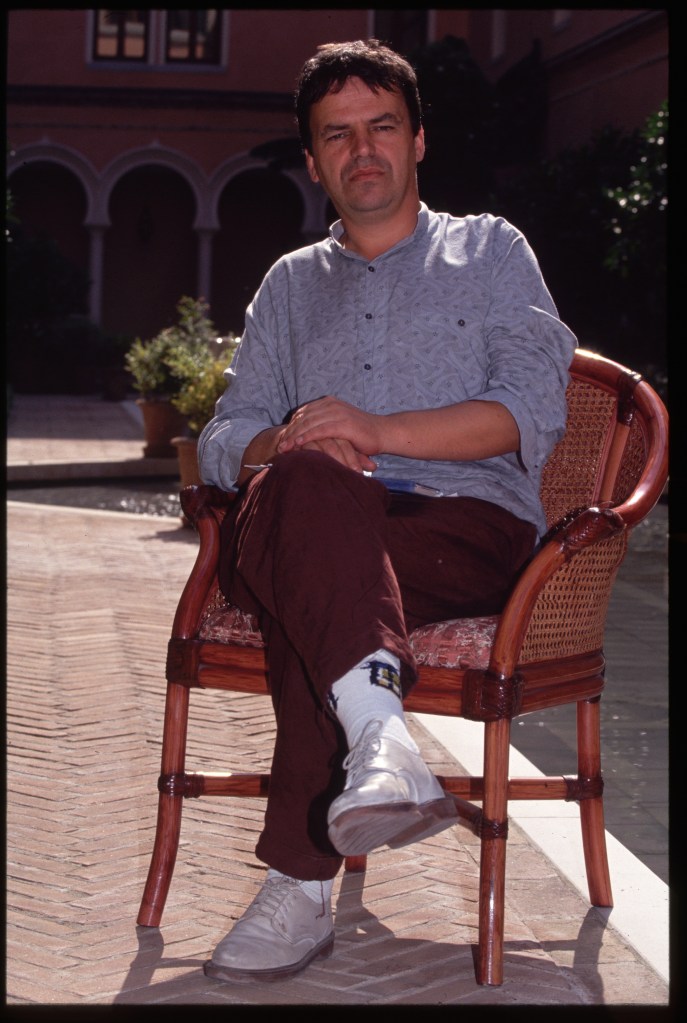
(633,462)
(599,461)
(571,475)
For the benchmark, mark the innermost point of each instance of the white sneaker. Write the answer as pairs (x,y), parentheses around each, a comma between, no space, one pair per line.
(282,931)
(391,797)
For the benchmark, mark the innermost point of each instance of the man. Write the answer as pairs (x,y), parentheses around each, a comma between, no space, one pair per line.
(396,393)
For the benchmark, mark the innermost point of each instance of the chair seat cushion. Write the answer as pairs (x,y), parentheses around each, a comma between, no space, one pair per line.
(459,643)
(228,624)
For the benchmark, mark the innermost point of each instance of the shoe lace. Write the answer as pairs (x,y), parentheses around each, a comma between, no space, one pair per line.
(366,748)
(272,894)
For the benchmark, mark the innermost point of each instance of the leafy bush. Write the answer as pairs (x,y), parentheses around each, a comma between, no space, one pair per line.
(203,382)
(152,363)
(639,222)
(149,368)
(184,363)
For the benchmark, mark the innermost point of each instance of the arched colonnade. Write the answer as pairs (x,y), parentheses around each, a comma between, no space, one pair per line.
(206,194)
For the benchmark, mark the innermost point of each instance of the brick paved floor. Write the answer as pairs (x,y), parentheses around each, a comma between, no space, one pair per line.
(91,597)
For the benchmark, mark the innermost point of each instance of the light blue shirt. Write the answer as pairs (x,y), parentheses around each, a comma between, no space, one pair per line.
(458,310)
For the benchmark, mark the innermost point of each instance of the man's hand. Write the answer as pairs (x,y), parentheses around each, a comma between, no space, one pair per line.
(341,430)
(464,431)
(277,439)
(341,450)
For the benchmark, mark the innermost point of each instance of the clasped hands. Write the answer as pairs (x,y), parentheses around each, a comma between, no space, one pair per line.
(338,429)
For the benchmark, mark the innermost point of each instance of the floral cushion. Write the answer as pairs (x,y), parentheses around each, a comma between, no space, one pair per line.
(460,643)
(228,624)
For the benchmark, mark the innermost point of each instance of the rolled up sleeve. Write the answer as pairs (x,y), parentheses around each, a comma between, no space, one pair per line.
(529,348)
(256,396)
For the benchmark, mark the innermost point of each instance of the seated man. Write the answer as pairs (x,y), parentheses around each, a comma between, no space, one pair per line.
(396,393)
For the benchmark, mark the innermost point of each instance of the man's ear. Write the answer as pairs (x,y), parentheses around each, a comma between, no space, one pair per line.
(310,164)
(420,144)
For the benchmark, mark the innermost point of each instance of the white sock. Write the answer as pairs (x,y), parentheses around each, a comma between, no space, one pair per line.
(318,891)
(371,691)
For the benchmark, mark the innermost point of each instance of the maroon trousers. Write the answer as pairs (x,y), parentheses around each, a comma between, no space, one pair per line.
(336,567)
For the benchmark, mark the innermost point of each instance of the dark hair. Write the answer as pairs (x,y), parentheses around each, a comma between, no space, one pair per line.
(334,63)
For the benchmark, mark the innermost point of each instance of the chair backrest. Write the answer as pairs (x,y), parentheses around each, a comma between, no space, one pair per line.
(614,454)
(614,422)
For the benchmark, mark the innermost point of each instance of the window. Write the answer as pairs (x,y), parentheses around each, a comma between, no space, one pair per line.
(121,35)
(193,37)
(158,38)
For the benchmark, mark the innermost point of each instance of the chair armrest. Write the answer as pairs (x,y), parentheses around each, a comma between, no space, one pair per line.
(579,532)
(651,484)
(203,499)
(205,507)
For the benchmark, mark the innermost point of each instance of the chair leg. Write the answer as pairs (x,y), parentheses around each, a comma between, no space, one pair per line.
(355,864)
(489,960)
(169,808)
(592,810)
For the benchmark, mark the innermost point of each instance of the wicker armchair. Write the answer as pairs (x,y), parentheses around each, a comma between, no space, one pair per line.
(545,649)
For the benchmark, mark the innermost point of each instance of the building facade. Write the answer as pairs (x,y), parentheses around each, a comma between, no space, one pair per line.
(159,148)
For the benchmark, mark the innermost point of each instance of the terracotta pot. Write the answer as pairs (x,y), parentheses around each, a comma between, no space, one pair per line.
(187,454)
(161,422)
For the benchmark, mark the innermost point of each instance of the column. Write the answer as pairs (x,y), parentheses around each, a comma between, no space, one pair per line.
(96,235)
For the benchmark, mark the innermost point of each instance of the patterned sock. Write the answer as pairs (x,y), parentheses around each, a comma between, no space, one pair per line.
(371,691)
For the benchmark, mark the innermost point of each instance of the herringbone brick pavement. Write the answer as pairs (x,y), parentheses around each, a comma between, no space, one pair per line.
(90,602)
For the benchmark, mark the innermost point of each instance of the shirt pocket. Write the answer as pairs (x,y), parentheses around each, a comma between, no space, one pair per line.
(449,357)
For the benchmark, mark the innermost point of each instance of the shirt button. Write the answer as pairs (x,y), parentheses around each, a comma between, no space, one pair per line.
(367,366)
(368,316)
(461,323)
(371,269)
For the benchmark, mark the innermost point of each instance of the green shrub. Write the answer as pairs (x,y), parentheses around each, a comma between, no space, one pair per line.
(203,382)
(184,363)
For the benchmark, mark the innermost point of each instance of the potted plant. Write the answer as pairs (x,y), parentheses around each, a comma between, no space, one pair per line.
(201,372)
(152,366)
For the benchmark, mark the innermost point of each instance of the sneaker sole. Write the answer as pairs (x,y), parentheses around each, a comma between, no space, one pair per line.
(219,972)
(356,832)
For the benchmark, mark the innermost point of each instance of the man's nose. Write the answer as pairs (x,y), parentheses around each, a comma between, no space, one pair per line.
(362,144)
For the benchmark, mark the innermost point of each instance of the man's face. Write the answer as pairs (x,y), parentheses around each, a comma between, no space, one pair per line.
(364,153)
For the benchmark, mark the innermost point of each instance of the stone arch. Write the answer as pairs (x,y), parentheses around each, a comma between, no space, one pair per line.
(64,156)
(51,203)
(223,175)
(260,215)
(316,205)
(150,252)
(315,202)
(155,155)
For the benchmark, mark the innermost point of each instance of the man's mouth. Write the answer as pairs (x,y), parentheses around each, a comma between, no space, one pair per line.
(367,172)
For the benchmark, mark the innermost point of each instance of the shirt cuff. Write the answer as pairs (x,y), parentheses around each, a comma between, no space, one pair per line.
(529,447)
(221,452)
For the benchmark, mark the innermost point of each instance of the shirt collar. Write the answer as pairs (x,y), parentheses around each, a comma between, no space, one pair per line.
(336,232)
